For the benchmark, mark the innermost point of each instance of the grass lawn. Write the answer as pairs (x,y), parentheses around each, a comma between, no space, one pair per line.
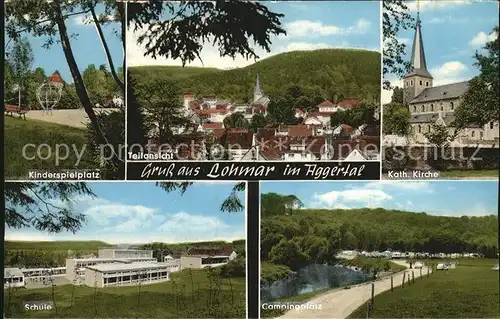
(469,291)
(187,295)
(18,133)
(469,173)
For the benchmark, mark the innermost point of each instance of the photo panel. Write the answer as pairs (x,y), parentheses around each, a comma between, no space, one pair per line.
(293,89)
(364,249)
(440,97)
(125,250)
(64,90)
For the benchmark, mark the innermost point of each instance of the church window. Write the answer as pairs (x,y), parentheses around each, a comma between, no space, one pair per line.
(432,107)
(423,108)
(442,107)
(472,134)
(426,83)
(452,106)
(411,82)
(420,129)
(491,125)
(481,135)
(414,108)
(429,128)
(420,82)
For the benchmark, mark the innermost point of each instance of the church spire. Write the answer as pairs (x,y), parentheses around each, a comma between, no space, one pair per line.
(257,93)
(418,63)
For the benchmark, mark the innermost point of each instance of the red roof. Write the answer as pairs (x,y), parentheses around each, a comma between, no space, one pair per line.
(241,138)
(326,103)
(346,128)
(56,77)
(210,125)
(188,95)
(348,103)
(299,130)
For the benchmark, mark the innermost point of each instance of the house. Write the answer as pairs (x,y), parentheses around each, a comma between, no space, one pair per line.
(197,257)
(13,278)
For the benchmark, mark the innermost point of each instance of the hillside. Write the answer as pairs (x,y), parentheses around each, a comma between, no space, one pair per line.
(55,245)
(313,235)
(328,72)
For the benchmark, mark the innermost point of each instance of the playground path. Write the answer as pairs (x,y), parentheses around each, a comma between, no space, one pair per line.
(340,303)
(71,117)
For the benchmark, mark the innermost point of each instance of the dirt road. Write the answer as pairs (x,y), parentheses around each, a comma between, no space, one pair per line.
(71,117)
(340,303)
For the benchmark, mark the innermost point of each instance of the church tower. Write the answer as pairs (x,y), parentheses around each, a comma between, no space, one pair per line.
(418,79)
(257,92)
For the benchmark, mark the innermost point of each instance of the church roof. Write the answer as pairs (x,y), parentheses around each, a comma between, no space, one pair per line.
(443,92)
(418,63)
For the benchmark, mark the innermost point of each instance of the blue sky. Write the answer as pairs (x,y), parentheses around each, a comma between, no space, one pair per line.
(87,47)
(446,198)
(140,212)
(310,25)
(452,31)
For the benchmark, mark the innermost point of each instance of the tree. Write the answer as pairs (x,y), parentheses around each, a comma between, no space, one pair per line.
(20,60)
(440,137)
(395,16)
(397,95)
(396,119)
(163,109)
(258,121)
(44,206)
(236,120)
(480,102)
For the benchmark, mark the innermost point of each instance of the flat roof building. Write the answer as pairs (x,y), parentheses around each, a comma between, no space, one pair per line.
(75,268)
(13,277)
(106,275)
(124,253)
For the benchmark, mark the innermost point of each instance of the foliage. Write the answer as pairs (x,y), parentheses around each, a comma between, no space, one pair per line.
(480,103)
(20,59)
(113,123)
(44,206)
(235,268)
(395,16)
(274,204)
(443,295)
(236,120)
(287,236)
(316,75)
(270,273)
(19,133)
(440,137)
(355,117)
(397,95)
(396,119)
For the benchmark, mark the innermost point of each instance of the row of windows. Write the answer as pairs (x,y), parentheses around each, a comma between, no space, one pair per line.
(432,109)
(421,83)
(472,134)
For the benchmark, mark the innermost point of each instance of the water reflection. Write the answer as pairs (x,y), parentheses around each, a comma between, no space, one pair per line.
(313,278)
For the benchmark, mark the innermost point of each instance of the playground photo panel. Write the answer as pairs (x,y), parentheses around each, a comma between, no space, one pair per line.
(64,91)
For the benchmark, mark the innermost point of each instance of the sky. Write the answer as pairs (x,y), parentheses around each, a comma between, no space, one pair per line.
(86,46)
(452,31)
(444,198)
(310,25)
(140,212)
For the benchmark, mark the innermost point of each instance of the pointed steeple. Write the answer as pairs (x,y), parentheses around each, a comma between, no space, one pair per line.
(418,63)
(257,93)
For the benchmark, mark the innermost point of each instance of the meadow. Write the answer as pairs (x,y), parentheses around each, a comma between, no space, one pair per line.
(469,291)
(189,294)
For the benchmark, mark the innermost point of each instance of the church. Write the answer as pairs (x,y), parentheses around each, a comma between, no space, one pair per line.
(431,105)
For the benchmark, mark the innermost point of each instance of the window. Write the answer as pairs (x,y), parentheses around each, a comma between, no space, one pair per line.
(414,108)
(420,82)
(423,108)
(442,107)
(420,129)
(452,106)
(429,128)
(481,135)
(491,125)
(426,83)
(432,107)
(411,82)
(472,134)
(407,83)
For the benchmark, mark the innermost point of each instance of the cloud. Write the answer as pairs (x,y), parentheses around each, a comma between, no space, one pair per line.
(210,55)
(447,19)
(86,20)
(350,198)
(482,38)
(432,5)
(308,28)
(449,72)
(420,186)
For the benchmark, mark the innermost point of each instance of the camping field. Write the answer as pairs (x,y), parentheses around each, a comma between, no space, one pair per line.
(19,132)
(189,294)
(469,291)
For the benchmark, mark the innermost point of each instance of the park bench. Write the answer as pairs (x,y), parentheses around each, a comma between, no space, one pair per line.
(15,109)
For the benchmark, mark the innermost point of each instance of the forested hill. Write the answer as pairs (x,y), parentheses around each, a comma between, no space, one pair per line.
(378,229)
(329,72)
